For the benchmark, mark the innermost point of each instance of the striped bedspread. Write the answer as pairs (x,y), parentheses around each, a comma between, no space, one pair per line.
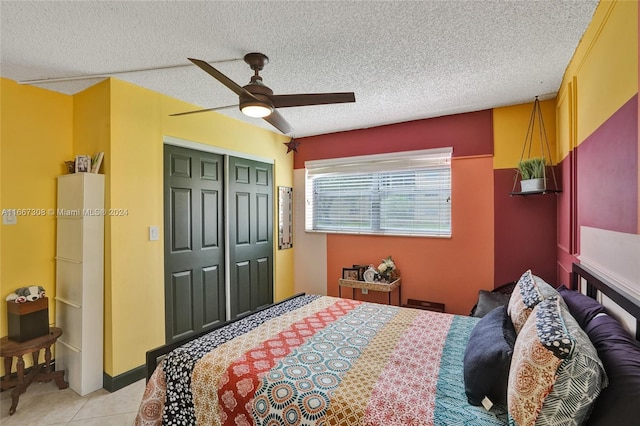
(319,360)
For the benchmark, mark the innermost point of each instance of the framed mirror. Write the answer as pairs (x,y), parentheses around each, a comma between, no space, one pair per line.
(285,217)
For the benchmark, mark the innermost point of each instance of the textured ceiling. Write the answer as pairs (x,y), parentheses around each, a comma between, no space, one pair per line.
(404,60)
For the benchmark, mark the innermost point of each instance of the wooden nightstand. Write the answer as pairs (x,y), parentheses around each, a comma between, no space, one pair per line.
(39,372)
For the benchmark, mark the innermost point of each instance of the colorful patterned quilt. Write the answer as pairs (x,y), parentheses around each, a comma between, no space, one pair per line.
(319,360)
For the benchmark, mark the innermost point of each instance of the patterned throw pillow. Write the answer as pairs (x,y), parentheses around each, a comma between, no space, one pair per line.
(529,291)
(555,373)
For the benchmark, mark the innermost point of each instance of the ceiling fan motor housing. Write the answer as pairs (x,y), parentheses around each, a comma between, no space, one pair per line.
(260,91)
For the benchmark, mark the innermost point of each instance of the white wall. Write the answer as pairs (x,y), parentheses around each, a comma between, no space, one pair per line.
(310,265)
(615,255)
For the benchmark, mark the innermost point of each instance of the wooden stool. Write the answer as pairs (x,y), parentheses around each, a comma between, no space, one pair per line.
(39,372)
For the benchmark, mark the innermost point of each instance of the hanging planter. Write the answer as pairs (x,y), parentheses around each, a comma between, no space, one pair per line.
(532,171)
(532,185)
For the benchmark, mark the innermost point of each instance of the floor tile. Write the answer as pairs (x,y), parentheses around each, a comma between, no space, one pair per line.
(45,404)
(103,403)
(125,419)
(42,404)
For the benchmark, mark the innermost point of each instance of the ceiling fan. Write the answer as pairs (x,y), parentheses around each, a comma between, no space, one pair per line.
(257,100)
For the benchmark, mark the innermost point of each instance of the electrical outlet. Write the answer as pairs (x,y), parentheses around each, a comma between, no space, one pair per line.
(9,219)
(154,233)
(365,291)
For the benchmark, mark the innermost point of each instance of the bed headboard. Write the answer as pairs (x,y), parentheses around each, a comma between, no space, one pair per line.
(596,282)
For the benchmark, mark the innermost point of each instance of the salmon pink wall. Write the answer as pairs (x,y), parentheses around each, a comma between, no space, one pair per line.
(449,271)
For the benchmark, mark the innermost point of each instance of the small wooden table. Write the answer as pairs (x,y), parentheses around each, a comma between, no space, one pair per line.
(39,372)
(373,286)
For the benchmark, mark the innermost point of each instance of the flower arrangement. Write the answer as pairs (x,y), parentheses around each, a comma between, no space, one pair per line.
(387,270)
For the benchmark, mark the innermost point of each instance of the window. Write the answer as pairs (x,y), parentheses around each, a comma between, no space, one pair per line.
(407,193)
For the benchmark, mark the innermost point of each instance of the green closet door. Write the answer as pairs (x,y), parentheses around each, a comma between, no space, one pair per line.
(250,225)
(193,241)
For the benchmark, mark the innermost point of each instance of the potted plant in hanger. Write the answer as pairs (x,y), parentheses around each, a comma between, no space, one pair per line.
(532,174)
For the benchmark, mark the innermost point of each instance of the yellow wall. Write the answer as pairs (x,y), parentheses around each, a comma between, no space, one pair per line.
(139,120)
(510,121)
(92,134)
(603,74)
(41,129)
(35,140)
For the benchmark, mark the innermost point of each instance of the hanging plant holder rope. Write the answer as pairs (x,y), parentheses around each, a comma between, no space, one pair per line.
(535,168)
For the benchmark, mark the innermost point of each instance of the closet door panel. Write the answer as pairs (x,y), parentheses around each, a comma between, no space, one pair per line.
(242,303)
(251,234)
(182,290)
(194,241)
(213,295)
(210,217)
(263,282)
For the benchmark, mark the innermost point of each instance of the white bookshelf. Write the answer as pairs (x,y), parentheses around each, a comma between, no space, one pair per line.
(80,280)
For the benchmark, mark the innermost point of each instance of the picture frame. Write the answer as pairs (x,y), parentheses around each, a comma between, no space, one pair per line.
(96,162)
(361,269)
(285,217)
(350,274)
(83,163)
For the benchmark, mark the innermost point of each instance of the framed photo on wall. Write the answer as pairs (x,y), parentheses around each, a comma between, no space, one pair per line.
(285,217)
(350,274)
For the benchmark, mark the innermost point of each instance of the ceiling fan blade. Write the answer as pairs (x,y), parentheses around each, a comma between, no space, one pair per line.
(278,121)
(284,101)
(235,87)
(203,110)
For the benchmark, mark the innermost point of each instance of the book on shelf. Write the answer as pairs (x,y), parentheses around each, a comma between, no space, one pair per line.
(96,162)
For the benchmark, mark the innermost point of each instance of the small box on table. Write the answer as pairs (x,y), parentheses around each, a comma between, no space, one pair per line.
(28,320)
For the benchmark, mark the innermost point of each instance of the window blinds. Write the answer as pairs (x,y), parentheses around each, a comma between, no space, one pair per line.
(406,193)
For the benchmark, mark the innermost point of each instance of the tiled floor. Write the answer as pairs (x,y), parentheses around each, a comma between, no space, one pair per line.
(45,404)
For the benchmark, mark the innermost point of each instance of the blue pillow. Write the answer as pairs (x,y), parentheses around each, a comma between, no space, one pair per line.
(488,301)
(618,403)
(487,358)
(582,308)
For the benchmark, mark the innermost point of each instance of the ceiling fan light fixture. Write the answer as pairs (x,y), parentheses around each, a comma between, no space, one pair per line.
(256,109)
(258,100)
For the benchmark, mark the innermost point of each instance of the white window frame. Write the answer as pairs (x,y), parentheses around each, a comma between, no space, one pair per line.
(422,175)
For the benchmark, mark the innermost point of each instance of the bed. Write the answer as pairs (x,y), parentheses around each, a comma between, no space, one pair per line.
(328,361)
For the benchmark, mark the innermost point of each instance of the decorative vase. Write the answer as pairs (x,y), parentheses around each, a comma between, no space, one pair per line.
(532,185)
